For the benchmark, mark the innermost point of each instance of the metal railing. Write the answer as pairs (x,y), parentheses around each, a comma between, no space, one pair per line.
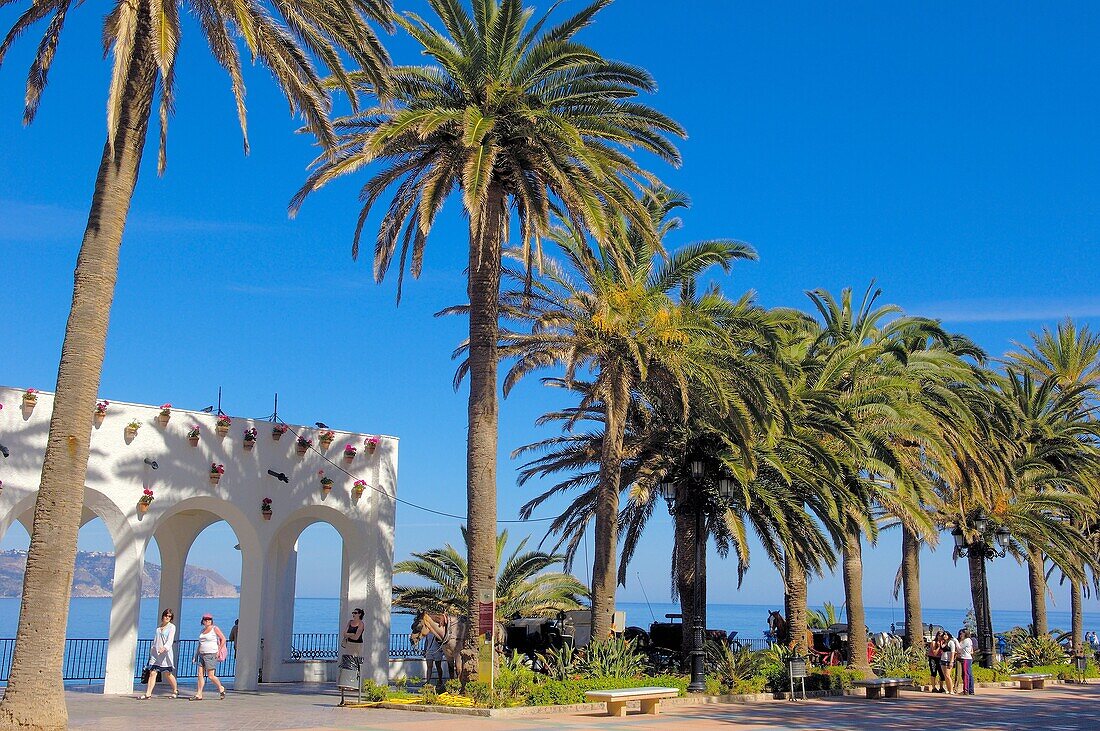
(315,646)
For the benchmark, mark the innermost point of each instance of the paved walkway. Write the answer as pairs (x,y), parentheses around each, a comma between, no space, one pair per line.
(1059,708)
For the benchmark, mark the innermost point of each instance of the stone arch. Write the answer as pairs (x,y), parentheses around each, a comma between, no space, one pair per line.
(278,609)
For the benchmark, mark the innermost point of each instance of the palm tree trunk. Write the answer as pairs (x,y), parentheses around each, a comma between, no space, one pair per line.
(853,596)
(35,695)
(481,454)
(910,581)
(794,598)
(1037,583)
(607,507)
(1077,619)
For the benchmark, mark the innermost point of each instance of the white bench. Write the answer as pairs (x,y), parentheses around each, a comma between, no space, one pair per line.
(617,699)
(876,686)
(1031,681)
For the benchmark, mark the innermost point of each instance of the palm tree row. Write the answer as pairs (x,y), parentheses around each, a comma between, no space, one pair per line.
(832,426)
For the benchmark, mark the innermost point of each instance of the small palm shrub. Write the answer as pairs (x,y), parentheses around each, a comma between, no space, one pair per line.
(728,666)
(1036,651)
(894,661)
(613,658)
(373,692)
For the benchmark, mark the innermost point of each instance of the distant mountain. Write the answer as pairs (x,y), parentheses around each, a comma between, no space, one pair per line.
(95,572)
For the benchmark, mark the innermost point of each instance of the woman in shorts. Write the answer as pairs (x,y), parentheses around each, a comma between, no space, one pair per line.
(212,650)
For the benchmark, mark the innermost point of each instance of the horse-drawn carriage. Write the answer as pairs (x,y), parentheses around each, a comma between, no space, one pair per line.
(663,643)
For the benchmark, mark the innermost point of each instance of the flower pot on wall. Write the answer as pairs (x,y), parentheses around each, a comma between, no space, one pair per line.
(371,447)
(194,441)
(249,444)
(276,434)
(266,514)
(221,431)
(214,478)
(143,507)
(301,448)
(325,490)
(130,433)
(98,418)
(162,418)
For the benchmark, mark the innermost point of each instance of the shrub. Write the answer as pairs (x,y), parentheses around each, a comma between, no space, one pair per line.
(453,686)
(727,665)
(429,694)
(373,692)
(1037,651)
(613,658)
(561,664)
(479,691)
(894,661)
(566,692)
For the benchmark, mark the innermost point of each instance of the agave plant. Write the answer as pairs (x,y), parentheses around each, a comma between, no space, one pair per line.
(1033,652)
(895,661)
(727,665)
(613,658)
(561,664)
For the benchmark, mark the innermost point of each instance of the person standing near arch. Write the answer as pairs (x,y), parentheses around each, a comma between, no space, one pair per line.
(161,655)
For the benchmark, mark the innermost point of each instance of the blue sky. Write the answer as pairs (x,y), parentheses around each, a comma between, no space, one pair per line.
(947,151)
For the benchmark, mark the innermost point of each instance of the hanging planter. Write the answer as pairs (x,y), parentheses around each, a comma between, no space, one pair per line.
(372,444)
(30,398)
(278,431)
(132,429)
(358,488)
(326,484)
(303,445)
(265,508)
(165,414)
(349,452)
(216,472)
(100,412)
(327,438)
(145,500)
(193,435)
(249,439)
(221,426)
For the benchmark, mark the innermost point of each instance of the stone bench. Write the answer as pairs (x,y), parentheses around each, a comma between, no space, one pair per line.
(1031,681)
(617,699)
(883,687)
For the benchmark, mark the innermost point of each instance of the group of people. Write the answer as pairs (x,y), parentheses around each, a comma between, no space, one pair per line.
(212,649)
(951,661)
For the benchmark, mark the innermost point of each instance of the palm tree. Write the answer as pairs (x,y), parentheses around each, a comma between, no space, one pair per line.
(521,119)
(524,586)
(144,37)
(863,354)
(1072,355)
(612,312)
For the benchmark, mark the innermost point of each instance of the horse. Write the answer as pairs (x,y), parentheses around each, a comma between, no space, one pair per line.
(454,631)
(778,627)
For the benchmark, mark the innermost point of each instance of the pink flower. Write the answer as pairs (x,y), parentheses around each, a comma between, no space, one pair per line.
(165,407)
(31,391)
(217,469)
(148,491)
(373,441)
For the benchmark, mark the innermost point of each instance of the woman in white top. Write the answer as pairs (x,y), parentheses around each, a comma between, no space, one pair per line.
(211,650)
(161,655)
(947,659)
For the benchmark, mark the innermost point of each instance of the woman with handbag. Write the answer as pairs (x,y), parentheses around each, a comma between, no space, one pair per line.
(212,650)
(161,656)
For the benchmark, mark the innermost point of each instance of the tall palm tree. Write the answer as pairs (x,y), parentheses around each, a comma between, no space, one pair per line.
(144,38)
(862,352)
(524,120)
(612,312)
(524,586)
(1072,355)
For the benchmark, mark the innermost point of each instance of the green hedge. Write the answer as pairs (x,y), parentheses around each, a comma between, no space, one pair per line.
(567,692)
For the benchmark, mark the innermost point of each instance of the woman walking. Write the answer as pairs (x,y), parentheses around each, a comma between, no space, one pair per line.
(211,650)
(161,655)
(935,669)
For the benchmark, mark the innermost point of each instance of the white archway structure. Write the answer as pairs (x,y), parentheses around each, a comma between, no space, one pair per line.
(186,501)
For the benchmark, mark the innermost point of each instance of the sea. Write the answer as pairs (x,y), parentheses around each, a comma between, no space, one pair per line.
(89,617)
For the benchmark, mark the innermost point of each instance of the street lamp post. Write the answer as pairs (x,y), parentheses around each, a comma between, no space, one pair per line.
(983,549)
(690,495)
